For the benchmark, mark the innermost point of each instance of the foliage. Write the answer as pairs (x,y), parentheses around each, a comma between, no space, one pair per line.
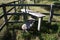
(16,17)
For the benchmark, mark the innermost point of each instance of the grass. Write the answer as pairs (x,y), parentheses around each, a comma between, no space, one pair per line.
(48,32)
(49,37)
(6,1)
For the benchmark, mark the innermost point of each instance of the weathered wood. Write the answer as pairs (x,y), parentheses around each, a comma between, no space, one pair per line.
(18,3)
(21,13)
(15,21)
(39,23)
(33,13)
(14,7)
(10,4)
(5,17)
(27,5)
(51,14)
(42,5)
(37,14)
(25,16)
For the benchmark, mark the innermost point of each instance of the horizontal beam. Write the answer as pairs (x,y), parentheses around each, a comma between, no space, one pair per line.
(1,5)
(31,5)
(17,13)
(44,5)
(46,13)
(15,21)
(57,14)
(26,5)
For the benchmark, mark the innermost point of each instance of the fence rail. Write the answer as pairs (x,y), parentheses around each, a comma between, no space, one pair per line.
(45,5)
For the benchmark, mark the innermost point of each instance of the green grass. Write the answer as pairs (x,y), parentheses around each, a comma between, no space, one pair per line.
(6,1)
(47,32)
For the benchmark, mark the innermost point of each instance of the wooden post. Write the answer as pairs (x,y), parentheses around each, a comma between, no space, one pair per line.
(25,9)
(15,8)
(51,14)
(5,17)
(14,35)
(21,2)
(39,23)
(25,16)
(18,3)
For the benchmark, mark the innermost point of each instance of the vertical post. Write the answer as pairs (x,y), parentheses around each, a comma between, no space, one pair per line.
(18,3)
(5,16)
(14,7)
(25,16)
(51,14)
(21,2)
(25,9)
(19,6)
(14,35)
(39,23)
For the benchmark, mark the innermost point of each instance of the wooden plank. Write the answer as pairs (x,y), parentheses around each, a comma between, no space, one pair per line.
(33,13)
(18,3)
(28,5)
(15,21)
(14,7)
(21,13)
(37,14)
(43,5)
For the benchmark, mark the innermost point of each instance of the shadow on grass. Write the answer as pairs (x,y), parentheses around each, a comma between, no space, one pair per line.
(33,33)
(9,36)
(45,28)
